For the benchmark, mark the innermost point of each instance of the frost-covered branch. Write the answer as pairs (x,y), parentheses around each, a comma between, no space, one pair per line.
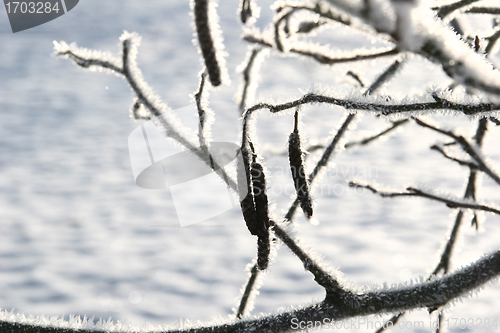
(250,77)
(126,66)
(249,291)
(323,58)
(380,105)
(413,192)
(286,11)
(426,294)
(446,10)
(492,41)
(484,10)
(200,98)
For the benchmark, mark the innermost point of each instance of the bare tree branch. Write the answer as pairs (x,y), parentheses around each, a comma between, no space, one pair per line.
(454,159)
(467,147)
(321,58)
(422,295)
(483,10)
(446,10)
(372,138)
(413,192)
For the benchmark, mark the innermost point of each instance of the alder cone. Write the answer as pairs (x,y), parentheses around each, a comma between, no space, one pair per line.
(298,173)
(260,198)
(263,250)
(206,41)
(245,193)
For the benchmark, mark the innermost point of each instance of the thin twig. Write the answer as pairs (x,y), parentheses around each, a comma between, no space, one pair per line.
(446,10)
(141,97)
(247,77)
(483,10)
(395,124)
(454,159)
(494,120)
(292,9)
(413,192)
(492,40)
(356,77)
(198,96)
(321,58)
(467,147)
(386,76)
(254,274)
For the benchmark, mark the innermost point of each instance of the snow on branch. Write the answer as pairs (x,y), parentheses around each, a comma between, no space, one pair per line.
(323,57)
(437,101)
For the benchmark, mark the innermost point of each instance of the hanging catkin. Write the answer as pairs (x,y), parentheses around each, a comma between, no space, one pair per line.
(245,11)
(206,41)
(262,212)
(254,204)
(245,192)
(263,250)
(260,196)
(298,171)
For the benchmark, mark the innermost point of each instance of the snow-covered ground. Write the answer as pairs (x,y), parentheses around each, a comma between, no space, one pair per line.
(77,236)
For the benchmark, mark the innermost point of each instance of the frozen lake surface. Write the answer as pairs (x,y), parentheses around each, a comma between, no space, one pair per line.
(77,236)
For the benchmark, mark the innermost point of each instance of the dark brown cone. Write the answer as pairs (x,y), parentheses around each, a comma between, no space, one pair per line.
(298,173)
(206,41)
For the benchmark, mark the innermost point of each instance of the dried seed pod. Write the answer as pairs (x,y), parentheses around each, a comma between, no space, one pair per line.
(260,197)
(254,203)
(262,214)
(206,41)
(298,170)
(245,193)
(246,10)
(263,250)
